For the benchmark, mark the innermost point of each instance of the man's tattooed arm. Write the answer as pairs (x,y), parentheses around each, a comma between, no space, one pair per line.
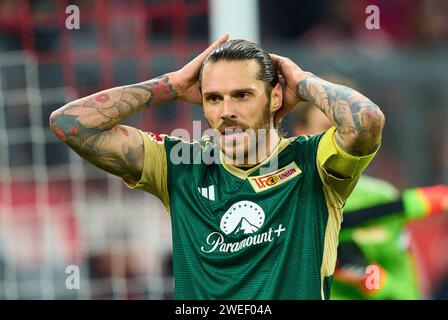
(90,125)
(358,120)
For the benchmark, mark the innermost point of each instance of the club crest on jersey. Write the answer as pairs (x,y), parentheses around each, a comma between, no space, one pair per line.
(274,179)
(154,137)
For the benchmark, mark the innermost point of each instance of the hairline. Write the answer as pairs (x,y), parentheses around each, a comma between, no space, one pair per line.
(268,87)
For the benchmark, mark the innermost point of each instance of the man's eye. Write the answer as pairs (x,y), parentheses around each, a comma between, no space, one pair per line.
(242,95)
(213,98)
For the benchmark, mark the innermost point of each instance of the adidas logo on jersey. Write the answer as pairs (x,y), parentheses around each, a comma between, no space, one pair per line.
(208,192)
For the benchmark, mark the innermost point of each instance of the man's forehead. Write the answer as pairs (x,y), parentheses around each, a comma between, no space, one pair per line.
(230,75)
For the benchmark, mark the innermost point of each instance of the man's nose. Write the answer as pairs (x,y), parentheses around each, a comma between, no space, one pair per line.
(228,109)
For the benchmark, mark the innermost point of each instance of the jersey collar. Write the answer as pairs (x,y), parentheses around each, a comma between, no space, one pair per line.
(243,174)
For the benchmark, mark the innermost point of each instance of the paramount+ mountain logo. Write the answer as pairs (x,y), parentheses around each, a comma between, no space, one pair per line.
(242,219)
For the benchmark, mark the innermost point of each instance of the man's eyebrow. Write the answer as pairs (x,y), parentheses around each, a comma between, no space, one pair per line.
(209,93)
(244,90)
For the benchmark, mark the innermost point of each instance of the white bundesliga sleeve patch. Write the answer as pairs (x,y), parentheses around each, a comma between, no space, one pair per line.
(274,179)
(154,137)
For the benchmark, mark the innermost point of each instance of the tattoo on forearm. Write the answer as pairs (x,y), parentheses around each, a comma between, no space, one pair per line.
(353,113)
(106,109)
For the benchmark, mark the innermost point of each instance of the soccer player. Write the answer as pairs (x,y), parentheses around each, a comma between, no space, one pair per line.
(245,224)
(373,231)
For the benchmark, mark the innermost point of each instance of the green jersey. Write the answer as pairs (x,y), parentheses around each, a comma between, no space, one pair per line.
(269,232)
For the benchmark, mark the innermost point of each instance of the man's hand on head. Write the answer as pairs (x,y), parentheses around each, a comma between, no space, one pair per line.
(289,75)
(186,80)
(359,122)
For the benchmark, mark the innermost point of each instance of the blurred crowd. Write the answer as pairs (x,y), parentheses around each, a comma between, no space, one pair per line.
(55,208)
(325,24)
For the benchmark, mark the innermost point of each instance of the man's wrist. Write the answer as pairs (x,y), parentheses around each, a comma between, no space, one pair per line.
(298,79)
(173,83)
(302,75)
(161,89)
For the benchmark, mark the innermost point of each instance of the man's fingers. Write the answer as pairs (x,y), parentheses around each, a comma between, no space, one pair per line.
(279,61)
(276,58)
(282,82)
(221,40)
(195,64)
(214,45)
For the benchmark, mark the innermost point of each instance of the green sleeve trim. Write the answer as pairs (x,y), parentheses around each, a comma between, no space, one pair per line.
(415,205)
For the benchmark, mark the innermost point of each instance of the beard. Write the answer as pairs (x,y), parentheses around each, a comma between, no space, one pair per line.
(251,144)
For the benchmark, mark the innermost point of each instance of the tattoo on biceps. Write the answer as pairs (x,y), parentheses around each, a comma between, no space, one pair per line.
(124,163)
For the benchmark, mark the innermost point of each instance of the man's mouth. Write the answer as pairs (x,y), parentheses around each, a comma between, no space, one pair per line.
(232,133)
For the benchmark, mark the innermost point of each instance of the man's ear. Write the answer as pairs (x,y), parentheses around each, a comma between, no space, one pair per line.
(276,98)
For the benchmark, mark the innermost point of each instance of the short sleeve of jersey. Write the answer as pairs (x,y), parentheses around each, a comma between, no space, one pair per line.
(154,174)
(330,155)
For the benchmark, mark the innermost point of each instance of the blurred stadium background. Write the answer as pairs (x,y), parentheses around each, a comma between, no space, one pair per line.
(57,210)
